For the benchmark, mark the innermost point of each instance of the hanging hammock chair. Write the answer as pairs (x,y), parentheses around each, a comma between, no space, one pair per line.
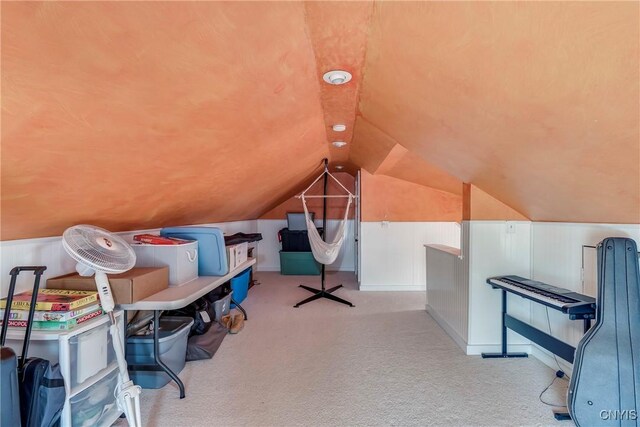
(326,252)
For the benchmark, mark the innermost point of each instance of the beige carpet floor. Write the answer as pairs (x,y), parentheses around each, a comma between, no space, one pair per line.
(384,362)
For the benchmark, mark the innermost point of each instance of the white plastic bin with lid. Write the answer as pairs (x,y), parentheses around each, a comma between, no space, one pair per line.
(182,260)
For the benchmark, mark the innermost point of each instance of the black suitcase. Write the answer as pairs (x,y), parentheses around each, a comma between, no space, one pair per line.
(10,402)
(32,390)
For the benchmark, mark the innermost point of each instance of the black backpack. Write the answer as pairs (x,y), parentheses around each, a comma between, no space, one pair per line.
(202,313)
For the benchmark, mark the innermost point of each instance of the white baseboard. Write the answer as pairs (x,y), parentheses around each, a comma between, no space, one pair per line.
(387,287)
(447,328)
(477,349)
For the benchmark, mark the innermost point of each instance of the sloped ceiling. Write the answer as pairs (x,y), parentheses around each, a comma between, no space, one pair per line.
(536,103)
(132,115)
(136,115)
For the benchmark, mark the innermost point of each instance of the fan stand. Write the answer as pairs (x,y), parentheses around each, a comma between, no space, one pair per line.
(323,292)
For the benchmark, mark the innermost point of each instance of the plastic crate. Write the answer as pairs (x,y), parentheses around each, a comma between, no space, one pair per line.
(240,286)
(222,306)
(299,263)
(174,332)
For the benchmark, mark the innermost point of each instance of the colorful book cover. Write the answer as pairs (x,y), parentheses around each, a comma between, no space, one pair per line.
(58,326)
(50,316)
(52,300)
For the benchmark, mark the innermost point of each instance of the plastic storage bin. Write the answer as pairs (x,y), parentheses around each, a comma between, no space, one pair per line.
(174,332)
(298,263)
(295,240)
(89,353)
(240,286)
(212,258)
(297,221)
(182,260)
(96,405)
(222,306)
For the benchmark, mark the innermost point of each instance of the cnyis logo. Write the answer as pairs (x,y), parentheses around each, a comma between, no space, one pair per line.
(619,415)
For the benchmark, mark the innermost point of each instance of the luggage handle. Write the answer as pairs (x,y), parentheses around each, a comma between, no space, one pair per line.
(195,255)
(15,271)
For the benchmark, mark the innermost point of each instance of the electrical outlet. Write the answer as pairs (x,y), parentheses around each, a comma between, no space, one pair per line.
(511,228)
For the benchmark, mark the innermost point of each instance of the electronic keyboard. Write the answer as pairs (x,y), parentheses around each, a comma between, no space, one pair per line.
(576,305)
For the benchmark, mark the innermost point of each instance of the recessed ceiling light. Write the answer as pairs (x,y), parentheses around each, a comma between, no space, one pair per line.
(339,128)
(337,77)
(339,144)
(339,167)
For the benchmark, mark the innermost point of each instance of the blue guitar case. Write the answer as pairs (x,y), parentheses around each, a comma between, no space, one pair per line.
(605,385)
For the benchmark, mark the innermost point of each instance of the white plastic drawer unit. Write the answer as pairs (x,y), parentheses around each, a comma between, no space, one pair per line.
(87,361)
(96,406)
(89,353)
(182,260)
(82,353)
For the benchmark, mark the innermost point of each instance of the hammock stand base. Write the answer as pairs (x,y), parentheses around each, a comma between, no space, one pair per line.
(323,293)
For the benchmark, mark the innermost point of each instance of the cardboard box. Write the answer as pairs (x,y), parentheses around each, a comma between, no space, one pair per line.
(237,254)
(132,286)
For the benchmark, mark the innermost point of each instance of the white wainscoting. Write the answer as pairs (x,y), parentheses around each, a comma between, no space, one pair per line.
(269,248)
(557,260)
(48,251)
(448,292)
(393,253)
(496,248)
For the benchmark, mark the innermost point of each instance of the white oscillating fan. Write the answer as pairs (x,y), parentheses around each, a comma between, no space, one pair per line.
(97,251)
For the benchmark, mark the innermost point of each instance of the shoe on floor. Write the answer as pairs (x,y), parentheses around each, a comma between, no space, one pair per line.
(237,324)
(226,321)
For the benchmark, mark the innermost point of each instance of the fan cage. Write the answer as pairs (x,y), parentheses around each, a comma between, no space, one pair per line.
(81,243)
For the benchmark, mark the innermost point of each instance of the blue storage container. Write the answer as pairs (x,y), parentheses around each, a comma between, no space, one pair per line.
(212,254)
(240,286)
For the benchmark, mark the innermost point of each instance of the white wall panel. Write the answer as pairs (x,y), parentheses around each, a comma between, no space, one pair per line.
(269,248)
(48,251)
(557,260)
(448,293)
(496,248)
(393,252)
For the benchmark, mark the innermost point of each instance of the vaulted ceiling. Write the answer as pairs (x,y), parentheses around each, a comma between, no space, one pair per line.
(132,115)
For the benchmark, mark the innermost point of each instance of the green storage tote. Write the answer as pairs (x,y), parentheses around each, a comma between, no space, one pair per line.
(299,263)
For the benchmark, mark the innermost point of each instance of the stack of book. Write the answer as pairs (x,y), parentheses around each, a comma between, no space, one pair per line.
(56,309)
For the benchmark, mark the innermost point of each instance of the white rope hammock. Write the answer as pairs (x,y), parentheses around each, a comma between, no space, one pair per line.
(326,252)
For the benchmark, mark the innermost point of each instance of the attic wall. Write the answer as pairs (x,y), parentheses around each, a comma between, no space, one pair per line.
(133,115)
(386,198)
(335,207)
(478,205)
(534,102)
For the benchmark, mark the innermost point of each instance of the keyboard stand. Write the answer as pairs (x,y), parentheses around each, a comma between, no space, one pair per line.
(505,320)
(539,337)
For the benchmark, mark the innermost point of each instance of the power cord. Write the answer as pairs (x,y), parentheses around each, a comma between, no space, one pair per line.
(559,374)
(546,309)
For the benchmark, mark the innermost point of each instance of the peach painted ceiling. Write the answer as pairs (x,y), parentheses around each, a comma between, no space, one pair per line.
(134,115)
